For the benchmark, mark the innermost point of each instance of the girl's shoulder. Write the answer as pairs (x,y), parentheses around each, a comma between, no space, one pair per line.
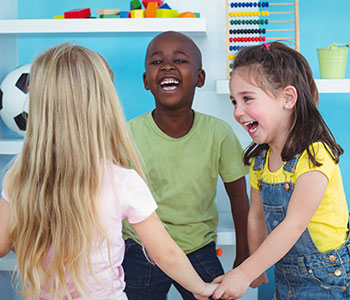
(323,155)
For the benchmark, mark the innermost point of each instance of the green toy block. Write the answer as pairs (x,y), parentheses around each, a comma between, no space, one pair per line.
(135,4)
(166,13)
(198,15)
(109,16)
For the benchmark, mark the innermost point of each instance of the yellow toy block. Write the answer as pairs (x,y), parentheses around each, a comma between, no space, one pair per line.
(137,13)
(58,17)
(166,13)
(150,11)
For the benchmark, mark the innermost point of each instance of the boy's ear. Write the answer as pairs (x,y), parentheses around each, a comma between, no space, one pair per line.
(290,97)
(145,83)
(201,78)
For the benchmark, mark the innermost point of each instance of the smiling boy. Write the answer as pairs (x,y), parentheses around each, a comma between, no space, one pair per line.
(183,153)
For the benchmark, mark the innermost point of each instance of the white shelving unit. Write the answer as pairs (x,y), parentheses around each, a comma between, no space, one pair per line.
(323,85)
(191,26)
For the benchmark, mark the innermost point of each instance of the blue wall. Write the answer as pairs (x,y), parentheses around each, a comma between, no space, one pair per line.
(320,25)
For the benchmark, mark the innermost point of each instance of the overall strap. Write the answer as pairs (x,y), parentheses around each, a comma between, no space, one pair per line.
(260,161)
(291,164)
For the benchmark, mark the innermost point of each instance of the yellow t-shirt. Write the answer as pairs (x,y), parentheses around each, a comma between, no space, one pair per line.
(328,226)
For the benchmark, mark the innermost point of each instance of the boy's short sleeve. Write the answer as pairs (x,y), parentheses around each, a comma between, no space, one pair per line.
(231,166)
(138,202)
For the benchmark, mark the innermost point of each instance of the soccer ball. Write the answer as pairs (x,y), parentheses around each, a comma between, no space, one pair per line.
(14,95)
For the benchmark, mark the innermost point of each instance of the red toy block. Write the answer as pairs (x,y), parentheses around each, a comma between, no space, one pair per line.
(219,252)
(145,2)
(150,11)
(78,13)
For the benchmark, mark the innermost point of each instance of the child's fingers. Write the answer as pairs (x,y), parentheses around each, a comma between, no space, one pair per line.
(218,279)
(218,292)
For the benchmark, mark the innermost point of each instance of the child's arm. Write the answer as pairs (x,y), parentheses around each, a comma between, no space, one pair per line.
(5,244)
(170,258)
(306,198)
(257,231)
(237,193)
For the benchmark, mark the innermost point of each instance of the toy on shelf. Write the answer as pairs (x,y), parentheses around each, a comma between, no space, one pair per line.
(253,22)
(156,9)
(14,97)
(108,12)
(332,61)
(78,13)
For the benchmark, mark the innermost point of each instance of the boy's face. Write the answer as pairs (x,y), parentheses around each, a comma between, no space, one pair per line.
(173,70)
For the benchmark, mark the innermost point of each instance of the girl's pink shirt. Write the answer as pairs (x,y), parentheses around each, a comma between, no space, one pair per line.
(124,195)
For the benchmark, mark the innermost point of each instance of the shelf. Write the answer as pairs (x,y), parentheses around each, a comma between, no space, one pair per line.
(190,26)
(323,85)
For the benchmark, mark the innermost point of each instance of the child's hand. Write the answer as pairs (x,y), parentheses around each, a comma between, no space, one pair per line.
(233,285)
(259,281)
(208,291)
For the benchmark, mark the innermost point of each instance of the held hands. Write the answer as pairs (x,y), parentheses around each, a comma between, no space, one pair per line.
(234,284)
(207,291)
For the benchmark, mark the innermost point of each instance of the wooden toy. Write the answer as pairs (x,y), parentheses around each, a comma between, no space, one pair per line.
(150,11)
(135,4)
(253,22)
(165,6)
(166,13)
(124,14)
(78,13)
(58,17)
(109,16)
(107,11)
(146,2)
(137,13)
(187,14)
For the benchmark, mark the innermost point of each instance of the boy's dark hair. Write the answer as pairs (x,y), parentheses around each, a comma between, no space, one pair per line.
(273,68)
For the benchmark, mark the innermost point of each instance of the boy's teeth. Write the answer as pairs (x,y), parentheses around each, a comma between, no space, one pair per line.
(169,81)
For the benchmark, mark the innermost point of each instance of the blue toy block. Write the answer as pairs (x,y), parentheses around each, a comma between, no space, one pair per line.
(124,14)
(165,6)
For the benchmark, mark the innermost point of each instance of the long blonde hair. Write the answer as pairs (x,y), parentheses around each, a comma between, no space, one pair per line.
(75,126)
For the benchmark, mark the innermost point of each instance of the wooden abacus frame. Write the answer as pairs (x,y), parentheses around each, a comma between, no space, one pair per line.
(295,22)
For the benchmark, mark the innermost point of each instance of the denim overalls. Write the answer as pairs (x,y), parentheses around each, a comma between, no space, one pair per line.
(304,273)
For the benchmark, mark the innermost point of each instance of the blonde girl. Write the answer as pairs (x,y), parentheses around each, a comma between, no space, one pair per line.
(296,184)
(65,197)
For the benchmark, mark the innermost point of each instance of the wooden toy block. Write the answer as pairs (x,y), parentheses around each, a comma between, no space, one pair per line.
(124,14)
(187,14)
(150,11)
(135,4)
(197,14)
(137,13)
(146,2)
(165,6)
(58,17)
(107,11)
(78,13)
(109,16)
(166,13)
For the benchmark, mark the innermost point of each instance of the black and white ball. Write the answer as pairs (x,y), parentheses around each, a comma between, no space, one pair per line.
(14,98)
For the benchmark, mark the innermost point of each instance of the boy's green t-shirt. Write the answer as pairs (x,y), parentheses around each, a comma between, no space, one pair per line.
(183,173)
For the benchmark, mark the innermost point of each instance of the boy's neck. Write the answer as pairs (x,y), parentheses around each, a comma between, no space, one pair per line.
(175,125)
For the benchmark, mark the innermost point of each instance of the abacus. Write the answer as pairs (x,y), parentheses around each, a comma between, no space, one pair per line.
(254,22)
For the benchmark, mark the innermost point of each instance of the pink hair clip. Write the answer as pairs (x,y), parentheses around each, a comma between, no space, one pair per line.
(267,46)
